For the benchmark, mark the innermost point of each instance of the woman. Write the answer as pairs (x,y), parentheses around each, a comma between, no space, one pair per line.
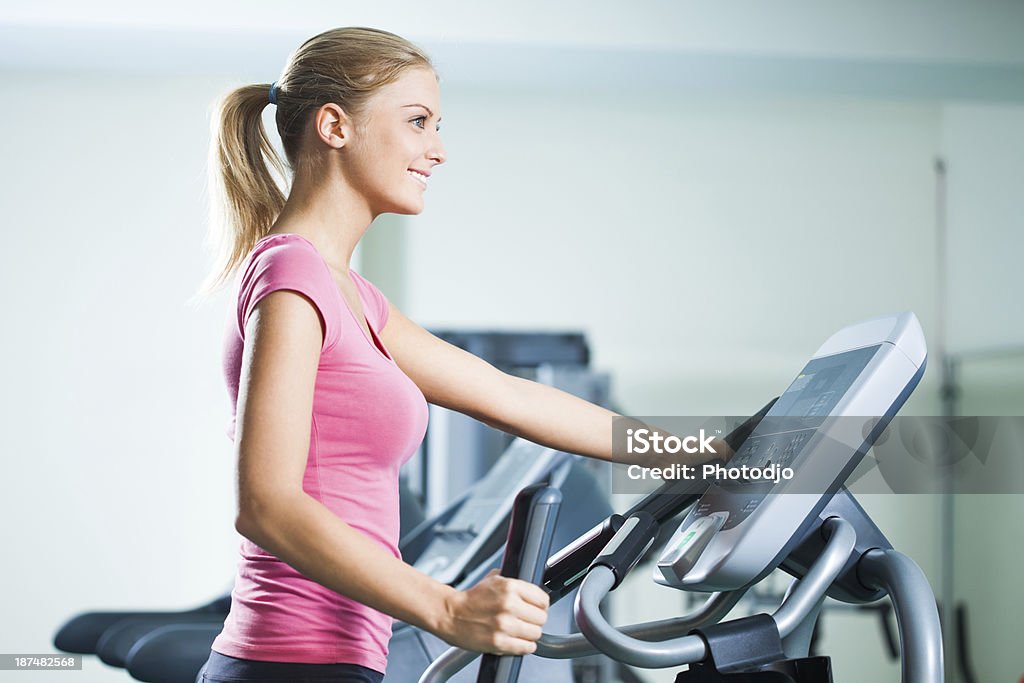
(330,381)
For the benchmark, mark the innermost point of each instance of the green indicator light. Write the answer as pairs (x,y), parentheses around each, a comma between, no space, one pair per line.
(686,538)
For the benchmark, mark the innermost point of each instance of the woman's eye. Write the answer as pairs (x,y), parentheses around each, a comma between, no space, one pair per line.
(420,121)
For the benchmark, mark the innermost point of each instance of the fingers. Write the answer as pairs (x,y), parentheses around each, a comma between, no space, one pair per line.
(514,627)
(525,620)
(525,610)
(530,615)
(532,594)
(528,592)
(502,616)
(515,646)
(526,601)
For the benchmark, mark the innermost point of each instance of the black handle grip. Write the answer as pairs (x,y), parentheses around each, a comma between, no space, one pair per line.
(628,545)
(566,567)
(530,532)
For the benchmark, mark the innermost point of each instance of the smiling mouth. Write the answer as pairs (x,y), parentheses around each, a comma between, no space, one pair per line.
(419,177)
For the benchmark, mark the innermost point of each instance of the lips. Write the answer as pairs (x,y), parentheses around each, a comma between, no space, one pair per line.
(419,176)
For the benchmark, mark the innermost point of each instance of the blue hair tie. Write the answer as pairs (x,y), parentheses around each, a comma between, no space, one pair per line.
(273,93)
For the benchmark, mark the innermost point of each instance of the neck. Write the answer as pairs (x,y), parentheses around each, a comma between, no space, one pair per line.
(329,214)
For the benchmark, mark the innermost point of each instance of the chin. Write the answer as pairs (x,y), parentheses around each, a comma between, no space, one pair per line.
(403,204)
(408,208)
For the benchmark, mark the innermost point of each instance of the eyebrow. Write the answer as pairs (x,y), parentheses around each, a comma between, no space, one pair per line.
(423,106)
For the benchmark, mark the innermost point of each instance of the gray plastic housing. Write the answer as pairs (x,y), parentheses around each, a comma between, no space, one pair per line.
(866,370)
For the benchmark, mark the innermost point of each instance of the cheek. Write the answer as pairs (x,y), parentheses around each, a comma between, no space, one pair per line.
(404,146)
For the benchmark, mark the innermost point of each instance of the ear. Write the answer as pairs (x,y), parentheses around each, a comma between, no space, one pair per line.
(333,126)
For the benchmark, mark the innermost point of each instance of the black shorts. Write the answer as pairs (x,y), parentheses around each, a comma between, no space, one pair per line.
(223,669)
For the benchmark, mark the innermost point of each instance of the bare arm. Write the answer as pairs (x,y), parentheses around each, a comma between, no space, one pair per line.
(283,340)
(456,379)
(453,378)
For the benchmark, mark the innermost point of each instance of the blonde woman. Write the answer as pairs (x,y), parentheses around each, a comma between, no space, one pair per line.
(331,382)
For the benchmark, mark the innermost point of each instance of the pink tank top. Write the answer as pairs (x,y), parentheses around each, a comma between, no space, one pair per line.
(368,418)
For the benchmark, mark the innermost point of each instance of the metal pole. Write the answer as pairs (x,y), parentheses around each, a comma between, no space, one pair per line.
(948,394)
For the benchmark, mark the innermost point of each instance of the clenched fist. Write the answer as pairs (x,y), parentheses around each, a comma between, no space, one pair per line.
(498,616)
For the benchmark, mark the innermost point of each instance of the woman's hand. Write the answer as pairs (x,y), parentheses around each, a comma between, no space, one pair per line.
(498,615)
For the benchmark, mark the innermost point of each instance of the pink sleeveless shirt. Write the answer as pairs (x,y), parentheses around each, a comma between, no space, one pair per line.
(368,418)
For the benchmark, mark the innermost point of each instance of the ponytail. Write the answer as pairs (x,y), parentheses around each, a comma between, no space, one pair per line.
(245,199)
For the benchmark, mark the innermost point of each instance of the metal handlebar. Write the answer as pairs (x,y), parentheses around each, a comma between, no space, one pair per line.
(916,613)
(553,646)
(576,645)
(688,649)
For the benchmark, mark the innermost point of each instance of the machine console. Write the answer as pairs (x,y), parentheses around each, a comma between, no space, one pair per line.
(804,449)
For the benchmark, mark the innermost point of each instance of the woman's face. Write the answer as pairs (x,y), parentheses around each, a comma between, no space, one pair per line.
(396,144)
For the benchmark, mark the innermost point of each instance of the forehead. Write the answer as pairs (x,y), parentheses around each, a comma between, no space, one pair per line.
(414,86)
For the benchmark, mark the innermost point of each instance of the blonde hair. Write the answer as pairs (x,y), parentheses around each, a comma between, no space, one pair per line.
(345,66)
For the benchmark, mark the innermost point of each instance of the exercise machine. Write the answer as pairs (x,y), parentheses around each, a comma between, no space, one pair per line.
(740,530)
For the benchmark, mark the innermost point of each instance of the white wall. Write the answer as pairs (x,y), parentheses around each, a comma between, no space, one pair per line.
(707,245)
(984,149)
(117,471)
(677,230)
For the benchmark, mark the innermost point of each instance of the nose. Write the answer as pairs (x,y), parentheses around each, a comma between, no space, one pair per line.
(437,153)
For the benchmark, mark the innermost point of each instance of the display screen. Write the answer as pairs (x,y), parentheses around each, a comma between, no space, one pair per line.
(817,389)
(791,423)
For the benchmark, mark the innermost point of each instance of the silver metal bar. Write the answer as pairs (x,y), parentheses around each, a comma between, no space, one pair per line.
(916,613)
(451,662)
(798,643)
(810,590)
(802,601)
(713,609)
(576,645)
(618,645)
